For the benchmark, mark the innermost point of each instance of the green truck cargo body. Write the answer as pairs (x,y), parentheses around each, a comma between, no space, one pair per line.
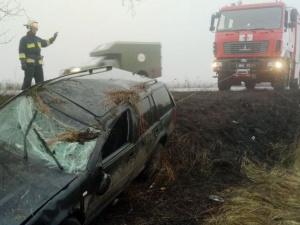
(143,58)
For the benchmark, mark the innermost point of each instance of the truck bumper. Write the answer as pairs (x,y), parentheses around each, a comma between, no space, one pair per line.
(259,69)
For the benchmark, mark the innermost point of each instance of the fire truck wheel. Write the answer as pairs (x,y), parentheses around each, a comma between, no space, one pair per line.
(280,82)
(250,85)
(294,84)
(224,81)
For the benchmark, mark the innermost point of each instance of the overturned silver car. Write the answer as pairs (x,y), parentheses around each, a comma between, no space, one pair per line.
(70,145)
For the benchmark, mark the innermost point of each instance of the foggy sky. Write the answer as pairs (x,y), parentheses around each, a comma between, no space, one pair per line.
(182,27)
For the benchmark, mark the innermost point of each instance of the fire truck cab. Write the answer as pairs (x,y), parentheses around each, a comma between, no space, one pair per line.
(257,43)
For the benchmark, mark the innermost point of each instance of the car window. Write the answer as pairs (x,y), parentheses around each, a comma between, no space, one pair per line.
(146,112)
(119,135)
(162,101)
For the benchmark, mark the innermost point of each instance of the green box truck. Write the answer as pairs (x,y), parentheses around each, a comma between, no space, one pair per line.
(143,58)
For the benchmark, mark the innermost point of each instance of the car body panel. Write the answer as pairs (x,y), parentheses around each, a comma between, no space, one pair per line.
(26,186)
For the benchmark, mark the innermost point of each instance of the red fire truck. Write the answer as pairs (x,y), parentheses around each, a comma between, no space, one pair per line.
(257,43)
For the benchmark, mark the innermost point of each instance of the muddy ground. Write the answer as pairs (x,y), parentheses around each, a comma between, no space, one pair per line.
(214,132)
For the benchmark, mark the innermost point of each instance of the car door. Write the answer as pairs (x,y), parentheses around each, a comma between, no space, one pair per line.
(146,135)
(118,159)
(165,109)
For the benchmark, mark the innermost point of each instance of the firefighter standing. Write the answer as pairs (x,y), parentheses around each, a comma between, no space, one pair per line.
(30,54)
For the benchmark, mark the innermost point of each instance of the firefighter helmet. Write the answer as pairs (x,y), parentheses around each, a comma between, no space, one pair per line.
(31,24)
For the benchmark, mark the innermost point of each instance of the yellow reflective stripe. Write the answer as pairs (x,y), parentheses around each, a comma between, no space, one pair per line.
(28,60)
(41,62)
(39,44)
(32,45)
(48,42)
(22,56)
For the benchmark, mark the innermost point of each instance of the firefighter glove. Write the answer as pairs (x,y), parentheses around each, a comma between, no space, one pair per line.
(23,65)
(54,36)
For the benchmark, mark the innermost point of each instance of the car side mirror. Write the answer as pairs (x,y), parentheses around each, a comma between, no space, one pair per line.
(104,183)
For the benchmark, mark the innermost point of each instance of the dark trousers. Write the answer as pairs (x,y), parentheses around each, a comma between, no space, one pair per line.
(35,72)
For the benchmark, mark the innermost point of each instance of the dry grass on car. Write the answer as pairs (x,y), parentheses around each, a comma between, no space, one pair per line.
(69,136)
(38,100)
(131,97)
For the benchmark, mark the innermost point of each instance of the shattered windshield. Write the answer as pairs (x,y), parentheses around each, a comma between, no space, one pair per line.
(250,19)
(49,128)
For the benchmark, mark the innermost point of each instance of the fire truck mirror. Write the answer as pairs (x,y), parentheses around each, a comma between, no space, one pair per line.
(212,28)
(213,18)
(294,14)
(292,24)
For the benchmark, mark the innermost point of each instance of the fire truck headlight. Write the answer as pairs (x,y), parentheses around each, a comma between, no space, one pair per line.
(275,64)
(279,65)
(217,64)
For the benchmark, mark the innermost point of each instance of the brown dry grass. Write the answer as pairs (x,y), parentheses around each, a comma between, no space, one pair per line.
(121,96)
(131,97)
(272,198)
(139,87)
(5,98)
(38,100)
(69,136)
(72,135)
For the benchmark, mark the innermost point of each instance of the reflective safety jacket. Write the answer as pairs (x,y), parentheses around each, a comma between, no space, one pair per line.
(30,48)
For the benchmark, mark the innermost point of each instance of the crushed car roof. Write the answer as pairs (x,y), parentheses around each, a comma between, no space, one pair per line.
(85,90)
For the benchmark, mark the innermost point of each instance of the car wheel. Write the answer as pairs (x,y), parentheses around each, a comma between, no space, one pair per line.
(153,164)
(71,221)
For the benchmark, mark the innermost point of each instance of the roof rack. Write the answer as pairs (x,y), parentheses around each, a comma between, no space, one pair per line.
(91,70)
(95,70)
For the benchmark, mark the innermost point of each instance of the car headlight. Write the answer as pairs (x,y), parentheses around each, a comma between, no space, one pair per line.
(217,64)
(276,64)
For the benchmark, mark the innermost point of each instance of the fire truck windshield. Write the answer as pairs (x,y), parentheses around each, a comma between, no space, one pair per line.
(250,19)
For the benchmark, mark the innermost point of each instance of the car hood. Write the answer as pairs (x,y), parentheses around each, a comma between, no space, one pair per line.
(25,186)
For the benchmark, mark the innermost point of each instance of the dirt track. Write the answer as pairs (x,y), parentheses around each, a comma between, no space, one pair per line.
(214,131)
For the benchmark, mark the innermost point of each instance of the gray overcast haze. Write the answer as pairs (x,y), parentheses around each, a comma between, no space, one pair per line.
(182,27)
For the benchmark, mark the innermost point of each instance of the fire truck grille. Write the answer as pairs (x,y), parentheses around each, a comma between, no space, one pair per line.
(245,47)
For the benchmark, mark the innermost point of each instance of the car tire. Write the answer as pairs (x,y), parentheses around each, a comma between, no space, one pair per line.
(153,164)
(71,221)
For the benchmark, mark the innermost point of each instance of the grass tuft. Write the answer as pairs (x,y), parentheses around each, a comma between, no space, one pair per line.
(131,97)
(271,197)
